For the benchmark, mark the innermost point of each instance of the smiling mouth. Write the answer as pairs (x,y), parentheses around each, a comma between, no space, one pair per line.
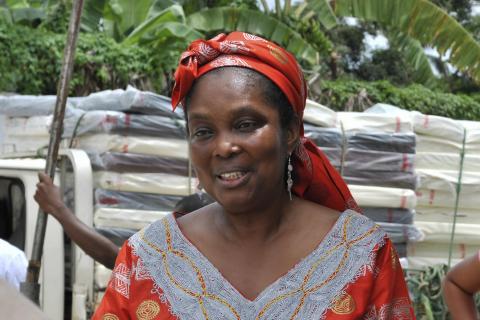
(231,176)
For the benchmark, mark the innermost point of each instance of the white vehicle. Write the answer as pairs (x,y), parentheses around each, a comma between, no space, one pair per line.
(67,273)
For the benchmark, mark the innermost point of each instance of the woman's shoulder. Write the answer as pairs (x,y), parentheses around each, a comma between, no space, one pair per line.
(349,221)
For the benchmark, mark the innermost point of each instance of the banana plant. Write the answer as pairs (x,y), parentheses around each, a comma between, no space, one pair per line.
(414,53)
(423,21)
(171,18)
(228,19)
(24,11)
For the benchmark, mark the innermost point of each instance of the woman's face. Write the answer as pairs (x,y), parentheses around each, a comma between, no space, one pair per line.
(238,147)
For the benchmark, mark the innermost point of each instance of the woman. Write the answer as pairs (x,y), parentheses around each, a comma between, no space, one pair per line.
(460,286)
(281,240)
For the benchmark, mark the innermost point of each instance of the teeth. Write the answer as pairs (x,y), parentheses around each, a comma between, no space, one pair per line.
(232,175)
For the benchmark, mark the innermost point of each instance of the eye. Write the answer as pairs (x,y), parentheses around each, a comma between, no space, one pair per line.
(247,125)
(201,133)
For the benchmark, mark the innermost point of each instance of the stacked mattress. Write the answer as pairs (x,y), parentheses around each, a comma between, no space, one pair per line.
(375,154)
(137,149)
(441,169)
(140,164)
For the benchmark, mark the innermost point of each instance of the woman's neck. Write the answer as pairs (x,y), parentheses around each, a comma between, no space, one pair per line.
(261,224)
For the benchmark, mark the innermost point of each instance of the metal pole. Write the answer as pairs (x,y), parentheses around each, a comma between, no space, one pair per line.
(31,288)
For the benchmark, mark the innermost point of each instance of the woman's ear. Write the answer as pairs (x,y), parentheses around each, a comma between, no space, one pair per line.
(293,134)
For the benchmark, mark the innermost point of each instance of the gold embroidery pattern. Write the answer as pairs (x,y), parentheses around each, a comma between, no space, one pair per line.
(345,304)
(147,310)
(342,247)
(110,316)
(307,291)
(393,256)
(199,296)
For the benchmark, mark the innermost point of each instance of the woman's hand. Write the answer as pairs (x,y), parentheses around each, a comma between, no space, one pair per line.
(48,196)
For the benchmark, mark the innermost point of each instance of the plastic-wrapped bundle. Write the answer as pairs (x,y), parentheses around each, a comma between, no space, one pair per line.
(447,180)
(102,276)
(473,132)
(319,115)
(437,126)
(401,233)
(438,145)
(125,218)
(386,142)
(416,262)
(438,188)
(401,248)
(134,162)
(159,183)
(447,161)
(441,250)
(403,143)
(116,235)
(324,137)
(439,214)
(16,146)
(379,197)
(135,200)
(373,160)
(389,215)
(100,143)
(334,155)
(446,199)
(441,232)
(130,100)
(442,145)
(29,106)
(390,179)
(126,124)
(369,122)
(27,134)
(31,126)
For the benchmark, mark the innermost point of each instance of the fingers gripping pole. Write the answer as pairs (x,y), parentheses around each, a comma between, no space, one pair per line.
(31,288)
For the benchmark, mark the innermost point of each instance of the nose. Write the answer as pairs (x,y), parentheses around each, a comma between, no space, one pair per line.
(226,146)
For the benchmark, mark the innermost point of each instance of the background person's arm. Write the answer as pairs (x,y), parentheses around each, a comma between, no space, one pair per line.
(94,244)
(459,287)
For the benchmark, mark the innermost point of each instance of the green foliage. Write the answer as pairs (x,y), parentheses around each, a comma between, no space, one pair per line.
(30,62)
(386,65)
(460,9)
(426,289)
(227,19)
(349,43)
(310,30)
(423,21)
(352,95)
(57,18)
(322,11)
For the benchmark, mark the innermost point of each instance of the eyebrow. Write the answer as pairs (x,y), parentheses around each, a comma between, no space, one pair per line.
(237,112)
(198,116)
(245,110)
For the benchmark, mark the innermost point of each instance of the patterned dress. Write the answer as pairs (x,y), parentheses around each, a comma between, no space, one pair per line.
(354,273)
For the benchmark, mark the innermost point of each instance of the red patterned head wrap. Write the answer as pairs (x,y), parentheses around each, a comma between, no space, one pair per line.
(315,178)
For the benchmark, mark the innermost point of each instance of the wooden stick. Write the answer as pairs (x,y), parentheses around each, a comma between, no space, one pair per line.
(31,288)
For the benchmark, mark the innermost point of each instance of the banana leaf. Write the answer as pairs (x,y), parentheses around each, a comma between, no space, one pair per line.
(424,21)
(226,19)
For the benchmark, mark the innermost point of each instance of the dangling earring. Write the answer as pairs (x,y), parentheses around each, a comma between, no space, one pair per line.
(289,176)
